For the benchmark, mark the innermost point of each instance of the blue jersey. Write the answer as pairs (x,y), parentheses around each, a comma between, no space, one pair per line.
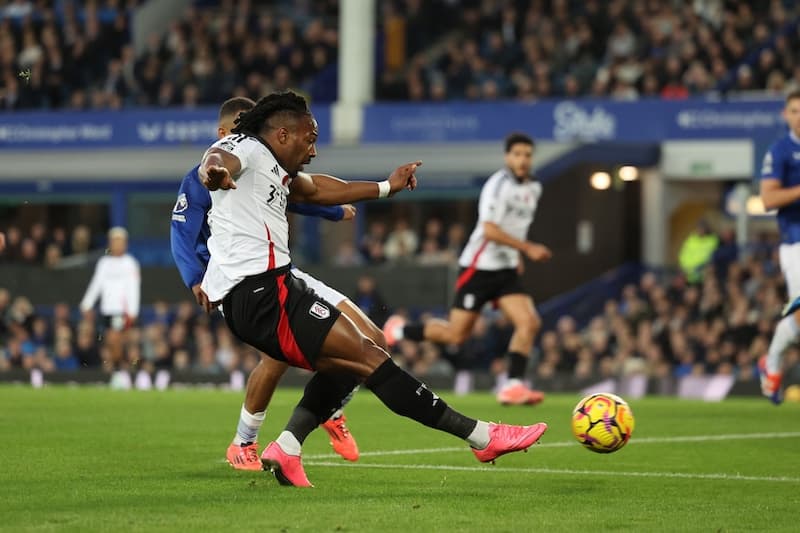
(189,231)
(782,162)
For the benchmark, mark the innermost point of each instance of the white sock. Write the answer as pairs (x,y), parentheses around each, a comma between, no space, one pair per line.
(288,443)
(785,333)
(337,414)
(479,438)
(249,424)
(513,382)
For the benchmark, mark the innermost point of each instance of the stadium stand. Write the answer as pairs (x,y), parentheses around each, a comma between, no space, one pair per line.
(78,55)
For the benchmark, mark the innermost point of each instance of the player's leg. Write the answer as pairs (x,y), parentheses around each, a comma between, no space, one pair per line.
(519,310)
(787,330)
(339,434)
(242,453)
(472,292)
(346,350)
(455,330)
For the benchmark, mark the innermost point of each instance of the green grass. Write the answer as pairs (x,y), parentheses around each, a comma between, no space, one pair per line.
(81,459)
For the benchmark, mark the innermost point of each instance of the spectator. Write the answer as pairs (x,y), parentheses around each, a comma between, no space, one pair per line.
(402,241)
(370,301)
(697,250)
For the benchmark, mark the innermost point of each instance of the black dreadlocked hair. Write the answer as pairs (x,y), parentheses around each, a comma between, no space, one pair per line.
(288,104)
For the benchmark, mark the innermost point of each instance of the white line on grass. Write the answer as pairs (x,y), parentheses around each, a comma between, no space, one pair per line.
(563,471)
(562,444)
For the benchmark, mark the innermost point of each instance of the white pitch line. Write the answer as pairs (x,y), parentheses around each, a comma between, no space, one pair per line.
(563,471)
(563,444)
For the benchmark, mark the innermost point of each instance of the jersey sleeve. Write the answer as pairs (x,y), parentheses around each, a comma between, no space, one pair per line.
(772,166)
(492,202)
(334,212)
(240,146)
(188,216)
(95,286)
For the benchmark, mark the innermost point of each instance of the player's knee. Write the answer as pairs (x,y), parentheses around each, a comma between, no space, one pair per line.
(376,335)
(530,327)
(459,336)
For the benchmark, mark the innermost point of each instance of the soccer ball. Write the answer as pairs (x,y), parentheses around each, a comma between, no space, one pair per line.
(602,422)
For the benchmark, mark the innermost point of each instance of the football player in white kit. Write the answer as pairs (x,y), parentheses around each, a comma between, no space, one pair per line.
(189,235)
(491,267)
(251,175)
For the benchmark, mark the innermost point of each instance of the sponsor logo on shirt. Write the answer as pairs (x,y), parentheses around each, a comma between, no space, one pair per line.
(319,310)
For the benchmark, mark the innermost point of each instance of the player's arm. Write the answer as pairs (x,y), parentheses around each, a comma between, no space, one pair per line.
(328,190)
(93,290)
(772,191)
(134,292)
(536,252)
(334,213)
(184,231)
(219,169)
(775,195)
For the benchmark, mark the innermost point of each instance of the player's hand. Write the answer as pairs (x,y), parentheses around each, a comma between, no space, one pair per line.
(2,241)
(202,298)
(403,178)
(537,252)
(218,177)
(349,212)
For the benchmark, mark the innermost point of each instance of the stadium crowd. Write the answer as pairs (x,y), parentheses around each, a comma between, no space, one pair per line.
(662,327)
(80,55)
(623,49)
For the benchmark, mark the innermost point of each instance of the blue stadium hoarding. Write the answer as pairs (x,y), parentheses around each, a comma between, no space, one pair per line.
(574,120)
(566,120)
(120,129)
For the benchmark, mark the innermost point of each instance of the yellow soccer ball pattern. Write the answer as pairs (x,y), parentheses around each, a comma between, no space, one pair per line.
(603,422)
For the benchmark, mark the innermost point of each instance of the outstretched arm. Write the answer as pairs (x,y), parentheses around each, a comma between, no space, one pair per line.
(327,190)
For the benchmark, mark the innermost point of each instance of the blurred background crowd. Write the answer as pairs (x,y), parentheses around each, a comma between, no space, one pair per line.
(714,317)
(78,54)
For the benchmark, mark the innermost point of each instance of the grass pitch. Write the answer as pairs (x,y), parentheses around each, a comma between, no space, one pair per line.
(81,459)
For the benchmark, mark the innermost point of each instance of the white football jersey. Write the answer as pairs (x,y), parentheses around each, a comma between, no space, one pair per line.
(509,203)
(249,229)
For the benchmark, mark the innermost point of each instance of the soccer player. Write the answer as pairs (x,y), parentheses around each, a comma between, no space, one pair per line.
(491,266)
(780,189)
(252,174)
(189,234)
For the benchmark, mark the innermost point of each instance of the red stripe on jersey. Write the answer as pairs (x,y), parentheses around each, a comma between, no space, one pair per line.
(286,340)
(470,271)
(271,264)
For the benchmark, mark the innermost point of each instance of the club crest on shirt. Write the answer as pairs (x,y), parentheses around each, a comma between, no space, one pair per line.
(181,204)
(228,146)
(319,310)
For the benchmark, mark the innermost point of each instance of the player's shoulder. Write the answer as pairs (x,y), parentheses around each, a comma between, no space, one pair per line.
(783,145)
(238,144)
(496,181)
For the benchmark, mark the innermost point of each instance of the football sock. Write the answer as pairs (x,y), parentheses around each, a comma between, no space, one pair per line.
(300,425)
(338,413)
(414,332)
(785,333)
(517,364)
(407,396)
(324,395)
(288,443)
(479,438)
(249,424)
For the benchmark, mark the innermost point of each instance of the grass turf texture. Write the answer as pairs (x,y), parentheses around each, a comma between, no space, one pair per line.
(83,459)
